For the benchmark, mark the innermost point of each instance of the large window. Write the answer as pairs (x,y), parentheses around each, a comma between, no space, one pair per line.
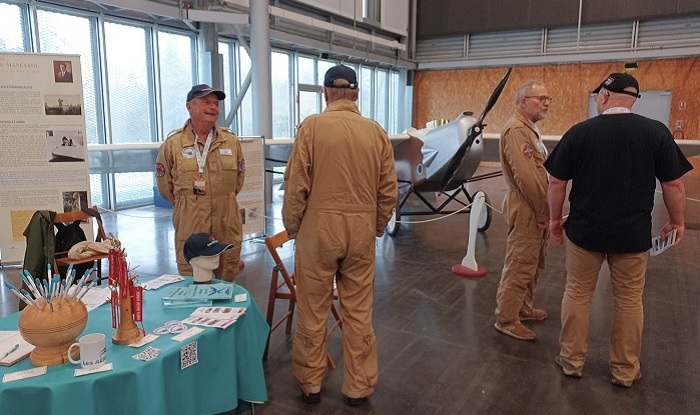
(176,70)
(130,83)
(282,110)
(366,87)
(245,112)
(64,33)
(382,98)
(13,35)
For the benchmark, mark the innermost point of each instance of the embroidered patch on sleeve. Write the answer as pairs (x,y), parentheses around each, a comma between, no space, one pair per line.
(160,170)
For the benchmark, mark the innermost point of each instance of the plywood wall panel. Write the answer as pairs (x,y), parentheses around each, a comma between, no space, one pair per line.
(445,94)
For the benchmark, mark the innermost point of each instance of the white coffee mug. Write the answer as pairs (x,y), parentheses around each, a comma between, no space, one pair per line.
(93,351)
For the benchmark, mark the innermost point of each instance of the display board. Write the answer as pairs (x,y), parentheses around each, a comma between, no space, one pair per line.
(43,162)
(653,104)
(251,198)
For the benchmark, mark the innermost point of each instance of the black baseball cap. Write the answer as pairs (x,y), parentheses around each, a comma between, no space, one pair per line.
(203,244)
(339,72)
(202,90)
(617,82)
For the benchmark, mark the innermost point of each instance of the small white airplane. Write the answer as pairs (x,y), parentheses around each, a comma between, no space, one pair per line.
(442,159)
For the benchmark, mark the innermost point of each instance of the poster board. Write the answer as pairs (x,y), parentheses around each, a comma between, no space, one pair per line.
(43,162)
(653,104)
(251,198)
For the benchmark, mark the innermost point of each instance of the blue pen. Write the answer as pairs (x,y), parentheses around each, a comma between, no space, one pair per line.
(29,298)
(30,284)
(10,351)
(18,294)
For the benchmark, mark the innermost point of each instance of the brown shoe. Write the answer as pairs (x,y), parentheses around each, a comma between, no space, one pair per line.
(626,383)
(537,314)
(566,368)
(517,330)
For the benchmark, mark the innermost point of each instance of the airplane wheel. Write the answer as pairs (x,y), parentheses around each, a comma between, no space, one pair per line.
(392,228)
(485,217)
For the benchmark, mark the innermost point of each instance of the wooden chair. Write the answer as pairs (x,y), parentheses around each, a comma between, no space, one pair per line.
(61,258)
(284,288)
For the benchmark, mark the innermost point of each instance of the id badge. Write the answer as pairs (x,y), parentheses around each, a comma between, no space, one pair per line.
(200,186)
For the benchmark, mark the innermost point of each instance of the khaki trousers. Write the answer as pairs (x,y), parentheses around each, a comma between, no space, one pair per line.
(525,258)
(627,274)
(340,246)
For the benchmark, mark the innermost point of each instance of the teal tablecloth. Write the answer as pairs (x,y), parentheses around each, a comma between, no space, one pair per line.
(229,369)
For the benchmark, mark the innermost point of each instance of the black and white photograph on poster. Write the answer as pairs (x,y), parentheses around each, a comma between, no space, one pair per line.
(63,71)
(65,145)
(63,105)
(74,200)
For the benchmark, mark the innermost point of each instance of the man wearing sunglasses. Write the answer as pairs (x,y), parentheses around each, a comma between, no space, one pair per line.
(526,212)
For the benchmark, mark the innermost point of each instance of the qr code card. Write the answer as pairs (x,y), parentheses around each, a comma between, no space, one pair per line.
(188,355)
(147,354)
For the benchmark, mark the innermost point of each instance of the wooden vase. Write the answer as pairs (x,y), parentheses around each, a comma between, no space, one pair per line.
(52,332)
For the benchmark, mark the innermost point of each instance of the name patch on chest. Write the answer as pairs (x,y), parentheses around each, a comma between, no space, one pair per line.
(188,152)
(225,152)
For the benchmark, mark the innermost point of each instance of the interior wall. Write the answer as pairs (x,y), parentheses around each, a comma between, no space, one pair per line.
(458,17)
(445,94)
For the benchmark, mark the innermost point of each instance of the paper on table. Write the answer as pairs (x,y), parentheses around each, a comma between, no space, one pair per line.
(104,368)
(24,374)
(164,279)
(220,313)
(187,334)
(94,298)
(8,341)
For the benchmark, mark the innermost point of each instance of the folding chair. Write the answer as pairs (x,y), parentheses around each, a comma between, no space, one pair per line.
(285,289)
(61,258)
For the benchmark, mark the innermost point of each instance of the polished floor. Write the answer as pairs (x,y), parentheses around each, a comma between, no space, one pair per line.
(438,350)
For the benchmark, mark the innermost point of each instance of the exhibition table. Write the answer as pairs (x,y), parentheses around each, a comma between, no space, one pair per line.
(229,368)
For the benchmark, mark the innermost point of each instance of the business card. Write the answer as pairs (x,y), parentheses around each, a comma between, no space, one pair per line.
(24,374)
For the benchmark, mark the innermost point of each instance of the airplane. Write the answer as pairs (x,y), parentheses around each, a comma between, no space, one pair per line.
(440,159)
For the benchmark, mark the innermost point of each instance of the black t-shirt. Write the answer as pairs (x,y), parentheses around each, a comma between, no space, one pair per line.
(613,162)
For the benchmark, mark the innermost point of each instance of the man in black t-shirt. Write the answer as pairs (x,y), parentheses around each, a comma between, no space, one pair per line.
(613,161)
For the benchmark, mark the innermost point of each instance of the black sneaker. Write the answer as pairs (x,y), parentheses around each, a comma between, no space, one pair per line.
(311,398)
(353,401)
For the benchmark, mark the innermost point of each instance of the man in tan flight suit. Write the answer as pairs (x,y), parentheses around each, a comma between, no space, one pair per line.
(340,189)
(200,169)
(526,211)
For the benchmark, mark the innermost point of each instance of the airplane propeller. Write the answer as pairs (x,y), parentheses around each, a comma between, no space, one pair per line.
(474,132)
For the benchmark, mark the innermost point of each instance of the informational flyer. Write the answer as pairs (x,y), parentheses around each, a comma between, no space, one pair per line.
(251,198)
(43,164)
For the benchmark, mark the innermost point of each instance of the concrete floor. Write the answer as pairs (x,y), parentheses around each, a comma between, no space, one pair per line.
(438,350)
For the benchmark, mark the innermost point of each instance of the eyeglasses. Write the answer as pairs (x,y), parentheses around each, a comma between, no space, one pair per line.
(541,98)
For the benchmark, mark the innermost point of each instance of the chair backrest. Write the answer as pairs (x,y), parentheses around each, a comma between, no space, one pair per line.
(273,243)
(69,217)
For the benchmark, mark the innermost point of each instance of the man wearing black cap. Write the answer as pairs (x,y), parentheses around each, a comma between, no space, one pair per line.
(200,169)
(340,189)
(613,161)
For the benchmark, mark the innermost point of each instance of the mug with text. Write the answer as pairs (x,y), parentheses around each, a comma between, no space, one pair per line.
(93,351)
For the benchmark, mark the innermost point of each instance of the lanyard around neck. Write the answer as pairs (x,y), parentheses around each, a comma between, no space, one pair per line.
(617,110)
(202,156)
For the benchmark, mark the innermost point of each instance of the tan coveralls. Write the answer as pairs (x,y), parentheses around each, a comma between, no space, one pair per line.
(340,189)
(524,206)
(216,212)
